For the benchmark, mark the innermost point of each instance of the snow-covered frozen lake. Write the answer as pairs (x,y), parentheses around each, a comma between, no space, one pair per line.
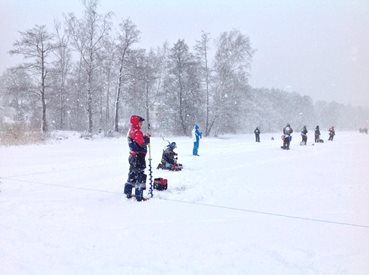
(239,208)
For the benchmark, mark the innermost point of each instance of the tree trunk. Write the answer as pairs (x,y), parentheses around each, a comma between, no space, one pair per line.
(61,100)
(117,99)
(44,122)
(181,106)
(89,107)
(89,100)
(147,104)
(107,111)
(43,100)
(207,130)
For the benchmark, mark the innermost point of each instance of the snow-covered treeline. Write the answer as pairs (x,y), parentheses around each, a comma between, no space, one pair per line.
(271,109)
(86,74)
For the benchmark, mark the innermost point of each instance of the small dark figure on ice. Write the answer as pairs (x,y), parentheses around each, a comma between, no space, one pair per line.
(317,135)
(332,133)
(363,130)
(304,132)
(137,143)
(257,134)
(286,137)
(169,159)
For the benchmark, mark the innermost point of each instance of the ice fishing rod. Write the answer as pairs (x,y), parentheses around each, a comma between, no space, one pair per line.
(165,139)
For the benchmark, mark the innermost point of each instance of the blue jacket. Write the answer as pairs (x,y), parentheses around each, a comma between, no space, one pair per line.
(196,134)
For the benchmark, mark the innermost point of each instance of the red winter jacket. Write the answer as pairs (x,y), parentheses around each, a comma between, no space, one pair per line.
(137,142)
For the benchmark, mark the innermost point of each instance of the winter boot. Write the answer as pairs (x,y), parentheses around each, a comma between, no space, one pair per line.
(139,194)
(128,190)
(140,186)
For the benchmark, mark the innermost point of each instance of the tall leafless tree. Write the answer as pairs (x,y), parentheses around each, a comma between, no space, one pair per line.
(62,66)
(232,61)
(202,48)
(88,35)
(108,67)
(127,36)
(36,44)
(183,84)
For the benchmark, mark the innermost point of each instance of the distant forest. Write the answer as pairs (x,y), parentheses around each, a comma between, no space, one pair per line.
(89,75)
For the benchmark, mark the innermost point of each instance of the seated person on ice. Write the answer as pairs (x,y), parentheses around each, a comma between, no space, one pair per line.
(169,159)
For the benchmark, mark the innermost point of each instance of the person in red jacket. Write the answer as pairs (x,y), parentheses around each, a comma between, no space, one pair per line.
(137,143)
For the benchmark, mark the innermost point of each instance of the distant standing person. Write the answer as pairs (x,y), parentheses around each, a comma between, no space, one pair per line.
(332,133)
(196,136)
(304,132)
(257,134)
(317,134)
(287,131)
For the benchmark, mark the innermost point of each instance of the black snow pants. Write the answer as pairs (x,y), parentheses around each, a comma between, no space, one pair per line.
(136,175)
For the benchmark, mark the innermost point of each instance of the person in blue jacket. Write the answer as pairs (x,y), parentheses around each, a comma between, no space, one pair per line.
(196,136)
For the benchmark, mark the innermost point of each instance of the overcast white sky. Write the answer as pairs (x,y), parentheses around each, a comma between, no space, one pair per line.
(318,48)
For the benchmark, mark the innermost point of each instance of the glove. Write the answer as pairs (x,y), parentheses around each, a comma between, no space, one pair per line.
(147,139)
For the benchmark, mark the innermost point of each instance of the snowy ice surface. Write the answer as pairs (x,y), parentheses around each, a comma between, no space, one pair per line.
(240,208)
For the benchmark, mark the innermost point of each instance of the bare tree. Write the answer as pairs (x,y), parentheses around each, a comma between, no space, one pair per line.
(232,61)
(149,70)
(161,64)
(127,36)
(158,60)
(107,64)
(36,44)
(147,73)
(151,75)
(61,70)
(202,50)
(88,36)
(183,86)
(77,112)
(180,58)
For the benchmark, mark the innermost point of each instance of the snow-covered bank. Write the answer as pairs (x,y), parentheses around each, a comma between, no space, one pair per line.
(239,208)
